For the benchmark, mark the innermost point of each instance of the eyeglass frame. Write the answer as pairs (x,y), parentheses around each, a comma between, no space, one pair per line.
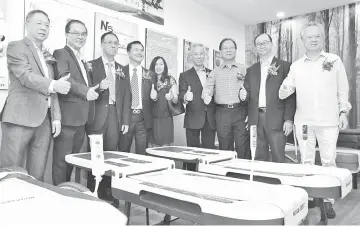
(77,34)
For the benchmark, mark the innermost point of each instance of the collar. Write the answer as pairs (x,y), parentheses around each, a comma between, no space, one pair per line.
(233,64)
(200,69)
(138,68)
(267,62)
(105,61)
(322,53)
(76,52)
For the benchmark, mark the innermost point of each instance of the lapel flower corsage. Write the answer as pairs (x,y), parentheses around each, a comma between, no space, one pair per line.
(240,76)
(146,74)
(48,56)
(119,73)
(328,65)
(273,69)
(88,66)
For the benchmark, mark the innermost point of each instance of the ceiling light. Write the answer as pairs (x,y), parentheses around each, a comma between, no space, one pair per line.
(280,15)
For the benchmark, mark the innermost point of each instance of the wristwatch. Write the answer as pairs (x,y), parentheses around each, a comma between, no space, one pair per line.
(342,112)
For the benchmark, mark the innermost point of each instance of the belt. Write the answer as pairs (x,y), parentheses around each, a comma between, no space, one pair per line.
(236,105)
(262,110)
(136,111)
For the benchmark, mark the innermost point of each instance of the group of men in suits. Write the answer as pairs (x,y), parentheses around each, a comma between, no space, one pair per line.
(63,96)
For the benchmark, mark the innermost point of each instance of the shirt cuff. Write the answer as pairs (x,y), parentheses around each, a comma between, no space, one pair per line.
(51,87)
(57,122)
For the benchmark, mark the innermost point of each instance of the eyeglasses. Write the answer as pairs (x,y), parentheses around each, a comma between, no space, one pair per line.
(228,48)
(77,34)
(259,44)
(112,43)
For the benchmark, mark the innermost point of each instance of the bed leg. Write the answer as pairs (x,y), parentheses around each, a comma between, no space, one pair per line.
(324,219)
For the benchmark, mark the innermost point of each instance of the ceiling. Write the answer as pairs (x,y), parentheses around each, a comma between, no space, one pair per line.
(257,11)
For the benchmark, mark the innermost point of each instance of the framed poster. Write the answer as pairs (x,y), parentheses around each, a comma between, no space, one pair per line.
(188,58)
(125,31)
(159,44)
(217,59)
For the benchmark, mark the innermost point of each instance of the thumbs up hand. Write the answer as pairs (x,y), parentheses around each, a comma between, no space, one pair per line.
(92,94)
(189,96)
(169,96)
(105,84)
(283,92)
(62,86)
(153,93)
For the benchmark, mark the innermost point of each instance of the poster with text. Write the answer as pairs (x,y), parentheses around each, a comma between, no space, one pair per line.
(125,31)
(217,59)
(159,44)
(59,15)
(150,10)
(188,57)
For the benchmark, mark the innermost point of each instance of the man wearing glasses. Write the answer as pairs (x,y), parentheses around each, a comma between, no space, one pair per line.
(224,84)
(272,116)
(76,107)
(112,108)
(31,111)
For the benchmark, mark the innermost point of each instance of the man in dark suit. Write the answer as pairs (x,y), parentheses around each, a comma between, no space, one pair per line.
(273,117)
(76,110)
(112,108)
(32,106)
(199,117)
(142,95)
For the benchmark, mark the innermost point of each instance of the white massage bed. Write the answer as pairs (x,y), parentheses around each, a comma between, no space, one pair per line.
(26,201)
(198,197)
(318,181)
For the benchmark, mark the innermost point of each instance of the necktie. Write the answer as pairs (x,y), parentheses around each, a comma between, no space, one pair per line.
(110,77)
(134,90)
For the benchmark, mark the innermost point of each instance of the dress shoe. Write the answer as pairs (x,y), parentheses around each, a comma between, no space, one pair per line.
(330,213)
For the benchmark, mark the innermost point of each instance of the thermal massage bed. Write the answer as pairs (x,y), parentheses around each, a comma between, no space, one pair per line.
(154,183)
(319,182)
(26,201)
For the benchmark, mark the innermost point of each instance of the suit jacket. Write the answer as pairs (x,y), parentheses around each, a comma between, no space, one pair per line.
(123,97)
(27,101)
(75,109)
(196,110)
(149,78)
(277,111)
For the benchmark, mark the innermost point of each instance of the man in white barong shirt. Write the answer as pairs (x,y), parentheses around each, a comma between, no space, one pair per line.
(322,88)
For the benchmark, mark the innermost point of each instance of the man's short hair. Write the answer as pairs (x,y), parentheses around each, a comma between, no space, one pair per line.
(227,39)
(33,12)
(196,44)
(103,36)
(260,35)
(311,24)
(70,22)
(128,47)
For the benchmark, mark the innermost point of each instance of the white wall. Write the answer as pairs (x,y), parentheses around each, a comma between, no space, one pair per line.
(183,18)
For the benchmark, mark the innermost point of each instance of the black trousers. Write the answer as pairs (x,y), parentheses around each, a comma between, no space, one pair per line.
(207,136)
(137,129)
(230,126)
(269,137)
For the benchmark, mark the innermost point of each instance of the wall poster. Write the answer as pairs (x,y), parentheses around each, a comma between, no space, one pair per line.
(159,44)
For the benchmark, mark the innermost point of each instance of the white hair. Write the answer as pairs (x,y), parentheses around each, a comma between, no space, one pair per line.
(311,24)
(195,44)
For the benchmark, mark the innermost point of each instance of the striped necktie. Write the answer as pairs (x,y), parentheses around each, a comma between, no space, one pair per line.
(134,90)
(110,77)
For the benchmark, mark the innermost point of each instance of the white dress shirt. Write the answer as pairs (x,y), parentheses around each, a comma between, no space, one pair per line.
(45,69)
(320,94)
(82,67)
(139,74)
(202,75)
(264,73)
